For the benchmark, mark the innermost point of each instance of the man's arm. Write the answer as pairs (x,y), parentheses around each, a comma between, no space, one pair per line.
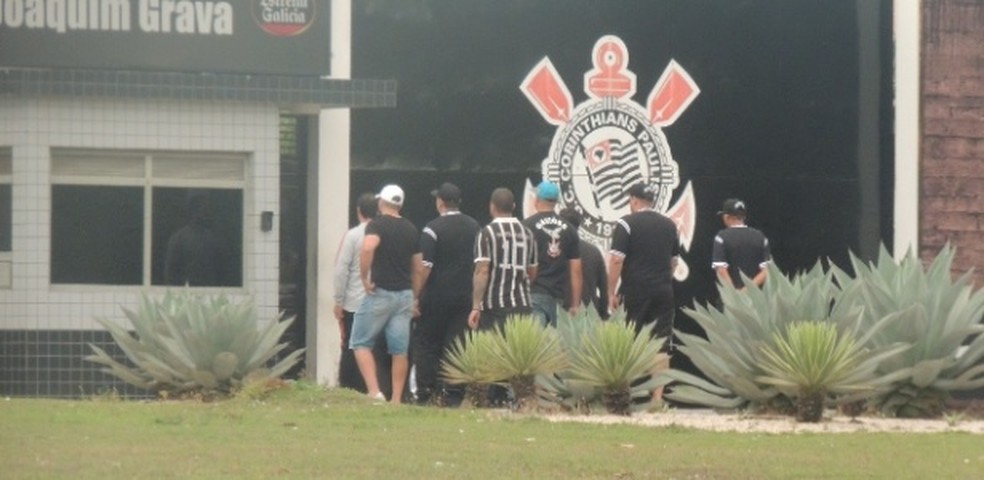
(577,283)
(480,282)
(761,276)
(615,262)
(723,276)
(369,246)
(418,276)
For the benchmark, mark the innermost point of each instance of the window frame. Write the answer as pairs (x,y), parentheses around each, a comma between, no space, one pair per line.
(147,181)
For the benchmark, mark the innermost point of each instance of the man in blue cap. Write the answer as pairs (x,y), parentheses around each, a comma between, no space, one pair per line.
(559,256)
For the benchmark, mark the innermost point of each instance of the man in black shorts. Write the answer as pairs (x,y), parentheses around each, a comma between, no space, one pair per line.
(644,253)
(739,249)
(447,244)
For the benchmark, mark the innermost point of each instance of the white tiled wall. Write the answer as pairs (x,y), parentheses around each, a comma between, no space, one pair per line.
(32,126)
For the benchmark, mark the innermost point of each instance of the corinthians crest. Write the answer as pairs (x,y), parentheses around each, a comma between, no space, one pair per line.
(609,142)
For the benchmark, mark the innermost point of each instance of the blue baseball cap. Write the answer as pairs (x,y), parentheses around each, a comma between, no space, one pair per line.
(548,191)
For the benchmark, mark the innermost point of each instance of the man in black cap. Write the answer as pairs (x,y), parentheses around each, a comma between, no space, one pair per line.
(739,249)
(644,253)
(447,244)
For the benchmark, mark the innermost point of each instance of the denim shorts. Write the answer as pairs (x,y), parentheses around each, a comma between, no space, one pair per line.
(384,311)
(545,308)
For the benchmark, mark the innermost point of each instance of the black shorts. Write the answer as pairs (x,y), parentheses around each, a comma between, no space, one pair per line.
(644,310)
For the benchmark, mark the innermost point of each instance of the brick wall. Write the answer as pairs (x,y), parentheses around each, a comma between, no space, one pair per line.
(952,178)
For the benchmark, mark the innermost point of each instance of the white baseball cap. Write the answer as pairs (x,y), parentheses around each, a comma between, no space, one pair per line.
(392,194)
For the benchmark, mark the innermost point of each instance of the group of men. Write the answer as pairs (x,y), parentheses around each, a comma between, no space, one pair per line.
(456,275)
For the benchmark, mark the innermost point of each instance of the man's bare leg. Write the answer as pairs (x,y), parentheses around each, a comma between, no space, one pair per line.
(367,367)
(401,365)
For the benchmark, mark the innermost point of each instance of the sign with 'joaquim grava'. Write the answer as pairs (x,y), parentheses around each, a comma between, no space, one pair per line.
(289,37)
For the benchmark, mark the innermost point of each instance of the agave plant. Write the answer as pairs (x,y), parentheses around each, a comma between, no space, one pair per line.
(729,356)
(466,362)
(522,349)
(813,361)
(612,356)
(560,389)
(186,343)
(940,317)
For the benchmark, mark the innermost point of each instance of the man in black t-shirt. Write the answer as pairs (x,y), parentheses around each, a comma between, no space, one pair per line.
(391,273)
(594,276)
(447,244)
(559,268)
(739,249)
(645,251)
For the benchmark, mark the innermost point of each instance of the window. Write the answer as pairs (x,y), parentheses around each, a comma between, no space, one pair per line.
(132,218)
(6,214)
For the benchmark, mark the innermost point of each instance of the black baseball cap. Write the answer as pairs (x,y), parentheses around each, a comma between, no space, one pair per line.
(448,192)
(733,206)
(643,191)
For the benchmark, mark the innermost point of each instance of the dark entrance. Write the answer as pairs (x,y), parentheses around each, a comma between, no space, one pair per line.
(293,230)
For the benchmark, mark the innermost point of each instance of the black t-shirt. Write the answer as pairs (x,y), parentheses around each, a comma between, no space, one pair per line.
(649,241)
(557,245)
(448,246)
(392,262)
(594,286)
(741,249)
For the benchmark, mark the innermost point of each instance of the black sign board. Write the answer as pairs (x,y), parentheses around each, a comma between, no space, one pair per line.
(282,37)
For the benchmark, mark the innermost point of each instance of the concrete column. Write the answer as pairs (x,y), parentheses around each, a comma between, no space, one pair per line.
(908,76)
(332,201)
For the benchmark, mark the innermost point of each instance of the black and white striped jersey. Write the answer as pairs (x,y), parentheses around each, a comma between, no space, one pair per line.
(510,249)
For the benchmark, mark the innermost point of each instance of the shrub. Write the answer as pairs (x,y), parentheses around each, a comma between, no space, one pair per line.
(522,349)
(939,317)
(612,356)
(466,362)
(736,333)
(813,361)
(604,356)
(192,344)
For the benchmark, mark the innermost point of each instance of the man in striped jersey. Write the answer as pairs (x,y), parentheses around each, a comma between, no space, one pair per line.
(505,265)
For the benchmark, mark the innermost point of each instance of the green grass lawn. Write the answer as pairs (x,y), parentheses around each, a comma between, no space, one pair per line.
(307,433)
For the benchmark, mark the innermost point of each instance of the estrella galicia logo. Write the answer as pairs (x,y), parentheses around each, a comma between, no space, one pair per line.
(284,18)
(609,142)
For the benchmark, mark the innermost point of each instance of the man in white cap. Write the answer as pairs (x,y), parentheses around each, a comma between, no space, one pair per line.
(391,268)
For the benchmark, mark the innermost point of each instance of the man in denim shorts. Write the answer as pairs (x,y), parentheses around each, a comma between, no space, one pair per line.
(391,271)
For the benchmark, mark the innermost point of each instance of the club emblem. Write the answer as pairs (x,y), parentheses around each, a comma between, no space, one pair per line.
(609,142)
